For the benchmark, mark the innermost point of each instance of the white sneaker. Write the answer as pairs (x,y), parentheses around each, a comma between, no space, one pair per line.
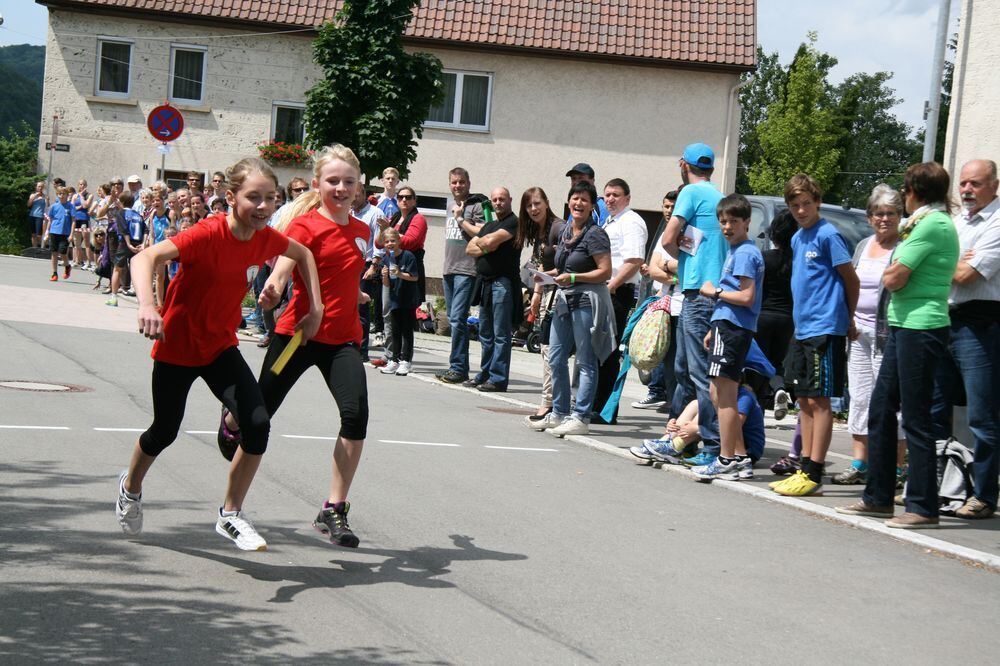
(781,400)
(550,420)
(128,510)
(571,425)
(404,368)
(390,368)
(240,530)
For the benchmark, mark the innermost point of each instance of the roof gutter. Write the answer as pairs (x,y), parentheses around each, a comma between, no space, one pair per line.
(727,185)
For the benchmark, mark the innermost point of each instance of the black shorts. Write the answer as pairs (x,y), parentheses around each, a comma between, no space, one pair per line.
(59,243)
(815,367)
(727,350)
(80,224)
(123,255)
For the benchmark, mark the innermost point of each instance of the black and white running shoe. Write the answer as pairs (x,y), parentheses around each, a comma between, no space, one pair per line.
(332,521)
(238,529)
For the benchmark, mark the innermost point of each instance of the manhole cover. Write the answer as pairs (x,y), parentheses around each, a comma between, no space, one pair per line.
(41,387)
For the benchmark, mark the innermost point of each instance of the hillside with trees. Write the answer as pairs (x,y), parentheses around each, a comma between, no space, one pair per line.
(22,71)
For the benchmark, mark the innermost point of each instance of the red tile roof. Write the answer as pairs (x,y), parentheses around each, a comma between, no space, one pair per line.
(720,33)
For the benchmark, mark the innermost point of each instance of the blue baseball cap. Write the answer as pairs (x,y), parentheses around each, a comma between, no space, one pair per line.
(699,155)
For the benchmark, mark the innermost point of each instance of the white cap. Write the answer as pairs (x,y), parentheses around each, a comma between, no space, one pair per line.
(133,179)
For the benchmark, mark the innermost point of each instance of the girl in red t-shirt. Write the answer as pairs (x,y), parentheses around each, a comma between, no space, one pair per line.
(196,337)
(322,221)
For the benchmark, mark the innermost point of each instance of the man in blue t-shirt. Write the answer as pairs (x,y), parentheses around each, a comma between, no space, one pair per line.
(694,237)
(734,320)
(824,293)
(60,216)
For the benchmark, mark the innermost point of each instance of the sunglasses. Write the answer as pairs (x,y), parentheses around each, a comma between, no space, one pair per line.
(405,197)
(299,189)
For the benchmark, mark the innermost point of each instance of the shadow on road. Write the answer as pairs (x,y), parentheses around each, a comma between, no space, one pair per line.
(419,567)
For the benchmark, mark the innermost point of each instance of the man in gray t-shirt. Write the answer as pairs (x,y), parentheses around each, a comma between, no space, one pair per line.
(465,214)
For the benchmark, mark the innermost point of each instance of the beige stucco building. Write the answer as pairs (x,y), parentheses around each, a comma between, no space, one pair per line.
(975,102)
(523,113)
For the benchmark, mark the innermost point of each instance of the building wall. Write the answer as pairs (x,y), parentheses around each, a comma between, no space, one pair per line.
(546,113)
(975,108)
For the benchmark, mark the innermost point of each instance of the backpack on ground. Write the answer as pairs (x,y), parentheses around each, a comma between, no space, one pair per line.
(954,474)
(650,339)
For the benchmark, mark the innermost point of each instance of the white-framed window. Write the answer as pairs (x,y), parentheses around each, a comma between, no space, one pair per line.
(288,122)
(466,103)
(187,73)
(114,67)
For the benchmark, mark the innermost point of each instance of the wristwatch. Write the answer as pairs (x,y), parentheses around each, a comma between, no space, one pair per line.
(718,292)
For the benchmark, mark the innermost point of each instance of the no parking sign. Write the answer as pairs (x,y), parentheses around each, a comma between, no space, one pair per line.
(165,123)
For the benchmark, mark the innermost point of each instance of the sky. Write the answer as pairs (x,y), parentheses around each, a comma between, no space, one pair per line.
(864,35)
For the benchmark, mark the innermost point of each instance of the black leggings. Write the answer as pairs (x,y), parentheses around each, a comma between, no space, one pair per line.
(232,382)
(403,321)
(342,370)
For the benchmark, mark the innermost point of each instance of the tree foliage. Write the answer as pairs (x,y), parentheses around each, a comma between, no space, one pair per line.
(18,161)
(21,76)
(870,143)
(374,96)
(800,131)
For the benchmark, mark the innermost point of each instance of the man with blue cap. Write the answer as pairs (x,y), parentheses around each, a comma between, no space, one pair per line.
(694,236)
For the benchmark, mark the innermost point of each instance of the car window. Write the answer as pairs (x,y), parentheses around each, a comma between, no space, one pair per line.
(850,227)
(757,225)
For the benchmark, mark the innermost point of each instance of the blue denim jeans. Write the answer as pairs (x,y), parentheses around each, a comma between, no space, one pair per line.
(495,317)
(457,295)
(973,368)
(569,329)
(692,361)
(905,382)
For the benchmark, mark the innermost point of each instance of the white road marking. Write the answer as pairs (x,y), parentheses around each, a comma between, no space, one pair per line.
(331,439)
(120,429)
(403,441)
(519,448)
(201,432)
(832,454)
(33,427)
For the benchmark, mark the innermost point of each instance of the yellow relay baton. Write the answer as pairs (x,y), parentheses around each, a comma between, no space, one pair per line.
(287,352)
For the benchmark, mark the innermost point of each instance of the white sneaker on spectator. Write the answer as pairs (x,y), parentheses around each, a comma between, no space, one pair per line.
(571,425)
(548,421)
(781,400)
(390,368)
(404,368)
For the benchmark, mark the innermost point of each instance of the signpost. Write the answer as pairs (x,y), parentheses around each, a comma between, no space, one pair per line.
(165,124)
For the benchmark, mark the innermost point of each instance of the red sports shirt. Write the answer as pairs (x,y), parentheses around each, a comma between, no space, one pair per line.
(339,251)
(201,311)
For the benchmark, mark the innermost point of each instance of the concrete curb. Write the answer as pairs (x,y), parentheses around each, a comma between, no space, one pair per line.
(921,540)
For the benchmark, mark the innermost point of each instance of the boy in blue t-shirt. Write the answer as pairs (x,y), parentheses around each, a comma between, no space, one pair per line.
(824,293)
(733,323)
(60,216)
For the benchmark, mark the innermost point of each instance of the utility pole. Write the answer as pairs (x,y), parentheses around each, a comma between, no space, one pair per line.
(56,117)
(933,107)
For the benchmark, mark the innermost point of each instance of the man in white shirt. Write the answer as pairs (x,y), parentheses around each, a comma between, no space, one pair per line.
(974,305)
(627,232)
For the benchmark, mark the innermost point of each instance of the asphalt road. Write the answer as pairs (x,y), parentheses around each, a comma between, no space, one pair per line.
(482,542)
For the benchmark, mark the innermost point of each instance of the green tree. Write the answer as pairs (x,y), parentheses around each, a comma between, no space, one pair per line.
(800,130)
(875,146)
(18,161)
(766,85)
(374,96)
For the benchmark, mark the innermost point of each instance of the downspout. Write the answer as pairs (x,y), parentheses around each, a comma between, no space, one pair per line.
(733,92)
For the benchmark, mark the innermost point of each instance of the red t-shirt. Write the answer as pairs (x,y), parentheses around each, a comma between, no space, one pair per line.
(339,251)
(201,311)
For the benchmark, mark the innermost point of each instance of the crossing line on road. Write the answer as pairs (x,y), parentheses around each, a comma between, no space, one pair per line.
(33,427)
(403,441)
